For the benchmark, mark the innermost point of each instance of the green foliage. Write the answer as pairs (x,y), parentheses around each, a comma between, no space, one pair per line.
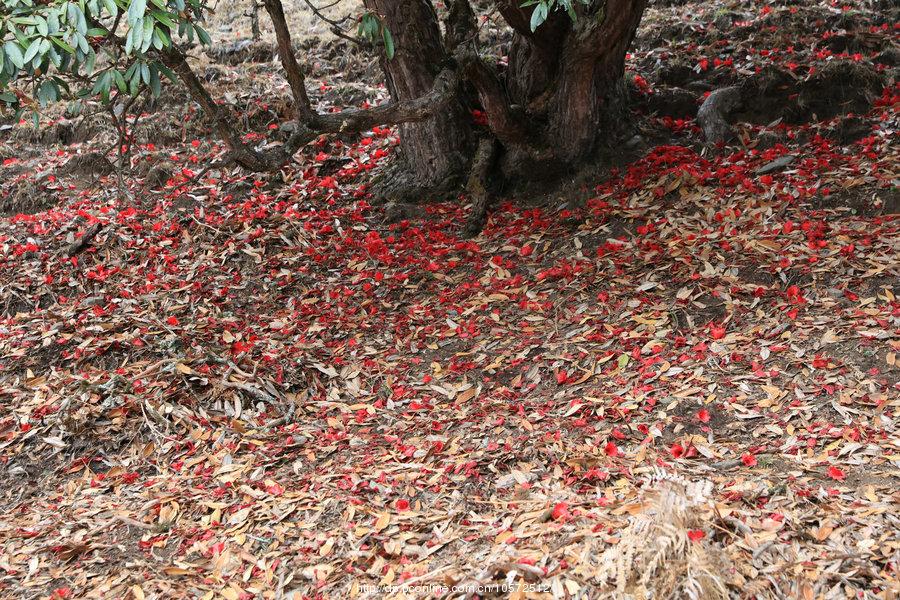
(371,27)
(542,9)
(74,50)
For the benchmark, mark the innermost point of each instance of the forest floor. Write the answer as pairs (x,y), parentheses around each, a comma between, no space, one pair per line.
(681,375)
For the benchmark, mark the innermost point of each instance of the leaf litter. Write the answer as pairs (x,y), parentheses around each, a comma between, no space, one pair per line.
(682,382)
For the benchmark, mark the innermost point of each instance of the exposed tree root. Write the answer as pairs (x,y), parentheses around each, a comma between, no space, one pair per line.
(842,87)
(397,184)
(714,114)
(477,185)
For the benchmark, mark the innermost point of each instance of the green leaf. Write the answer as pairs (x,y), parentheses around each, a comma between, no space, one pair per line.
(63,45)
(111,8)
(388,42)
(55,58)
(134,82)
(136,11)
(120,82)
(204,37)
(369,26)
(163,18)
(137,38)
(53,21)
(166,42)
(155,82)
(15,54)
(8,97)
(167,72)
(129,41)
(102,81)
(32,50)
(90,61)
(81,23)
(148,35)
(539,15)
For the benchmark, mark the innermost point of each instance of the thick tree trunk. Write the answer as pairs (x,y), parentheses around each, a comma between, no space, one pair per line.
(436,149)
(593,64)
(565,78)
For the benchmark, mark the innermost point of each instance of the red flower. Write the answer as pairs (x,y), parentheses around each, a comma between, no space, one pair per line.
(402,504)
(677,450)
(836,474)
(703,415)
(611,449)
(748,459)
(173,321)
(717,332)
(561,377)
(695,535)
(560,511)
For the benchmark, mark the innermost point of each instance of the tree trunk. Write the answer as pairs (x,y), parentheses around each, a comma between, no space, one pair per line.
(565,80)
(592,66)
(435,150)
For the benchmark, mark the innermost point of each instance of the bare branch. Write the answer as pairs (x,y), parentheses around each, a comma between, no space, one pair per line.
(294,73)
(243,154)
(461,38)
(351,121)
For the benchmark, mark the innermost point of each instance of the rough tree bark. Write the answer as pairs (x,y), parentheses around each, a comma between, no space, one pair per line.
(434,149)
(564,76)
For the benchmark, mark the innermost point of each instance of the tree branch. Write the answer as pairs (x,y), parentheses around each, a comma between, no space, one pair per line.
(347,121)
(244,155)
(393,113)
(461,38)
(302,106)
(501,120)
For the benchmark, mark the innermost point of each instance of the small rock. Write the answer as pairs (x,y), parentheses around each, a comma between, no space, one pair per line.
(636,141)
(673,102)
(394,212)
(766,140)
(158,175)
(777,164)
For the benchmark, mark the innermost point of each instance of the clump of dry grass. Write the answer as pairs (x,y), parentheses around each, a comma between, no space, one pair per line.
(656,557)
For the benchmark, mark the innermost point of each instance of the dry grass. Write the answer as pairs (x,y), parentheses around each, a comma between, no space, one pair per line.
(656,556)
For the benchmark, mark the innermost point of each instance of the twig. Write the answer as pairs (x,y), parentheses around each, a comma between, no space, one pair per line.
(336,28)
